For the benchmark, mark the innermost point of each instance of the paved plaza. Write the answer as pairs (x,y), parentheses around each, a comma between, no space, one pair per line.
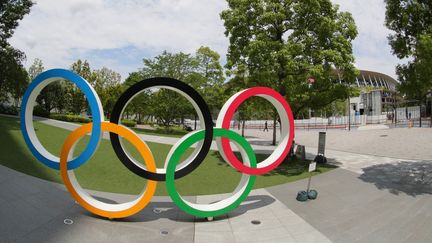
(371,197)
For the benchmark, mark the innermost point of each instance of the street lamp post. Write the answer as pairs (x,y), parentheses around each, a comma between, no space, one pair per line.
(310,80)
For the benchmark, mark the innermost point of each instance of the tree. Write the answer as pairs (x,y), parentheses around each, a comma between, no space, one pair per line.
(35,69)
(75,99)
(411,22)
(140,105)
(202,71)
(107,85)
(46,96)
(210,71)
(169,104)
(13,76)
(50,97)
(281,44)
(177,65)
(208,79)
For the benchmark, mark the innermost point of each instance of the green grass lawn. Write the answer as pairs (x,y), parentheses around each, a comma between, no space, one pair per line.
(175,132)
(104,172)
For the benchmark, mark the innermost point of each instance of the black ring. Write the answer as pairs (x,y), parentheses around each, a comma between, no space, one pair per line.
(167,82)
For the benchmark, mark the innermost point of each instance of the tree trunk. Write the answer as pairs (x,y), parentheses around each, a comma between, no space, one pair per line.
(274,127)
(420,113)
(195,116)
(243,127)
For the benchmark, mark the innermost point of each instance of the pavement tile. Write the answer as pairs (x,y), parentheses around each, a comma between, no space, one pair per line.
(216,237)
(261,235)
(213,226)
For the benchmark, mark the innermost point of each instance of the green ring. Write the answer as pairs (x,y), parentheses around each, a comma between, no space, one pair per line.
(181,149)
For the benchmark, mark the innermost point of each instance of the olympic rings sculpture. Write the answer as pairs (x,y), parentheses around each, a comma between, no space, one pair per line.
(173,168)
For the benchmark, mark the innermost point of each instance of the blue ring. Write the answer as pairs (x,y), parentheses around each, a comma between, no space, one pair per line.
(95,108)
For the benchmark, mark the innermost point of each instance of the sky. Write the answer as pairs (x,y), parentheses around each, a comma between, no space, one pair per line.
(119,34)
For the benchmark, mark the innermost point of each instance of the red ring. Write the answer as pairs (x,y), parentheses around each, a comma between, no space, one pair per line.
(226,125)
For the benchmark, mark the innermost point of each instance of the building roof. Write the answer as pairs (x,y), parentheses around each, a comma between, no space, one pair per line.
(375,79)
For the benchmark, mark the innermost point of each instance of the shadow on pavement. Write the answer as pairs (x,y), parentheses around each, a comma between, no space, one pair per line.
(159,210)
(411,178)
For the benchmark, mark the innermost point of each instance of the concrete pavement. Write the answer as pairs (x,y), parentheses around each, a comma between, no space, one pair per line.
(261,141)
(368,199)
(34,210)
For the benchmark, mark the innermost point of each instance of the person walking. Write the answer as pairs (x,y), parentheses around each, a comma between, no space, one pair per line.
(265,127)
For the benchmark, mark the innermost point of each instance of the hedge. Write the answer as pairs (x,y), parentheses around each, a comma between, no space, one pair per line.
(70,118)
(80,119)
(9,110)
(128,123)
(39,111)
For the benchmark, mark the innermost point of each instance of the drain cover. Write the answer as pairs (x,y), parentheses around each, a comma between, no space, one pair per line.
(68,221)
(164,232)
(256,222)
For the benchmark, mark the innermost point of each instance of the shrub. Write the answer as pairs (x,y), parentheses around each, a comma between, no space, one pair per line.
(128,123)
(9,110)
(39,111)
(187,128)
(70,118)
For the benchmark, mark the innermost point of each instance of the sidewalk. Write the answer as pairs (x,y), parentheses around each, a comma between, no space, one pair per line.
(34,210)
(368,199)
(347,160)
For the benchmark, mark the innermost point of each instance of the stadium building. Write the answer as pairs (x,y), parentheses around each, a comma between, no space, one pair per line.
(378,94)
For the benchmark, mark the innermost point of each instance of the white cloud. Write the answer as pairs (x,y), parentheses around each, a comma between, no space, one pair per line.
(57,31)
(61,31)
(371,47)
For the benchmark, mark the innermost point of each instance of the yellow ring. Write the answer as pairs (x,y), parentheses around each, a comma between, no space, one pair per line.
(83,198)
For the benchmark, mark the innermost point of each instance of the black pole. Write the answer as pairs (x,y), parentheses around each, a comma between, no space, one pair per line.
(420,114)
(430,123)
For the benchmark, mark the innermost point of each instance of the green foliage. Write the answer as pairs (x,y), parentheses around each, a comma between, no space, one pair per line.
(166,105)
(128,123)
(50,97)
(39,110)
(140,104)
(280,44)
(411,22)
(75,98)
(284,44)
(13,76)
(208,78)
(11,11)
(69,118)
(35,69)
(107,85)
(9,110)
(202,71)
(169,105)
